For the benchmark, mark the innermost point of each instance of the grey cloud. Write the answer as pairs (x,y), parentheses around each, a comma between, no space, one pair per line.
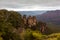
(24,3)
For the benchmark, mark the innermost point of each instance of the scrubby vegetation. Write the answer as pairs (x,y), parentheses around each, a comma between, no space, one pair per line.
(13,27)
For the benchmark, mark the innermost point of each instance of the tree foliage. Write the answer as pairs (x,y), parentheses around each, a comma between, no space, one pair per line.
(8,21)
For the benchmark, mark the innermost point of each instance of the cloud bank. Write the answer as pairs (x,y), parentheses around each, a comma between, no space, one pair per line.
(27,5)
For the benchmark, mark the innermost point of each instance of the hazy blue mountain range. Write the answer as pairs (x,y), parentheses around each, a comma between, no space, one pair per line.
(32,13)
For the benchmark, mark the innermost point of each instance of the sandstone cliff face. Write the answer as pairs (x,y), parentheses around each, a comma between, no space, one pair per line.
(31,20)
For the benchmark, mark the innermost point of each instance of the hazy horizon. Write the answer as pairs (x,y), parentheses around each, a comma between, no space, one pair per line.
(32,13)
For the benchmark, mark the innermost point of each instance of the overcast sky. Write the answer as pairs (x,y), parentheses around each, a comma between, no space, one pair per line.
(30,4)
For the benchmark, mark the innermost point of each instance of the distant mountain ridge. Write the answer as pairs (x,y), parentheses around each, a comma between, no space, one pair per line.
(50,16)
(32,13)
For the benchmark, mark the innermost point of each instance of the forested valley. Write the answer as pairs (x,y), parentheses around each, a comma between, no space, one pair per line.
(14,26)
